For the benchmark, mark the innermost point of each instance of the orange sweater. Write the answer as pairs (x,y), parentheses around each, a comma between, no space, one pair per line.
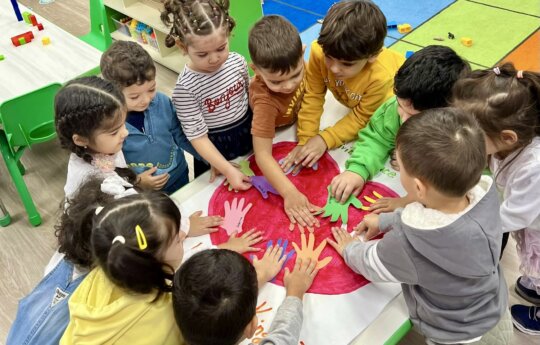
(362,94)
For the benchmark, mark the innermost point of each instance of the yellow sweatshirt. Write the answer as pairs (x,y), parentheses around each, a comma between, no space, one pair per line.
(363,94)
(102,313)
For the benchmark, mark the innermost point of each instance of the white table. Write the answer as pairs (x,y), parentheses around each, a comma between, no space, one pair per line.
(394,315)
(33,65)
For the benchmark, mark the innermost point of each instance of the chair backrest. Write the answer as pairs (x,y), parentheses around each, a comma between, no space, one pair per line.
(29,119)
(100,35)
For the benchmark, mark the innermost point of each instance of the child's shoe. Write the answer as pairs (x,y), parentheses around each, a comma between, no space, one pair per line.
(527,294)
(526,319)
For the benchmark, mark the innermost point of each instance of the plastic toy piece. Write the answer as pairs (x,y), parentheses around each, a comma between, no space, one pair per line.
(28,36)
(466,41)
(263,186)
(451,36)
(2,57)
(392,25)
(26,17)
(404,28)
(46,41)
(40,26)
(22,41)
(408,54)
(16,10)
(33,19)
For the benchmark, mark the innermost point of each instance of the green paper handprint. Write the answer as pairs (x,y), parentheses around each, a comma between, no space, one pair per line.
(336,210)
(245,169)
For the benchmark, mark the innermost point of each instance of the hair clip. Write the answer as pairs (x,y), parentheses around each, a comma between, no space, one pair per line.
(141,239)
(519,74)
(120,239)
(497,71)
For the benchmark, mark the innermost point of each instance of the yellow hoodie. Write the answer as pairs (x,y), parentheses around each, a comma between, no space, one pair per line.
(103,313)
(363,94)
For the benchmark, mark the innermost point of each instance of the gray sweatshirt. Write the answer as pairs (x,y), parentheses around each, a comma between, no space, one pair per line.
(286,326)
(448,265)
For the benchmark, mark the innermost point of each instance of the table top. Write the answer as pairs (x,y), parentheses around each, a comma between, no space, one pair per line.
(34,65)
(392,322)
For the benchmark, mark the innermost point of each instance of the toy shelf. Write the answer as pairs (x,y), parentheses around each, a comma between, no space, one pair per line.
(147,12)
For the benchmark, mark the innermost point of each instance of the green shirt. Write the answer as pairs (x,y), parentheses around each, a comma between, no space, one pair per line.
(375,141)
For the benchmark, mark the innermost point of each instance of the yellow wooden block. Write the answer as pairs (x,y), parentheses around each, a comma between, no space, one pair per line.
(46,40)
(466,41)
(404,28)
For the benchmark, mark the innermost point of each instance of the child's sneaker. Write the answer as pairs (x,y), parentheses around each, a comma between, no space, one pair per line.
(525,319)
(527,294)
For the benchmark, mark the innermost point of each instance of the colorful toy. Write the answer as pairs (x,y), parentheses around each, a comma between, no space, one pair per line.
(16,10)
(408,54)
(26,17)
(46,41)
(404,28)
(392,25)
(33,19)
(2,57)
(40,26)
(466,41)
(28,36)
(22,41)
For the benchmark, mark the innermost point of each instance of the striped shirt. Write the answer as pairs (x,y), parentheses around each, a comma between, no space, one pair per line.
(206,101)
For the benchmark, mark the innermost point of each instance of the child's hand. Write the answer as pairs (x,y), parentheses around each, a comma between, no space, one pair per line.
(342,239)
(300,279)
(269,265)
(311,151)
(237,179)
(199,226)
(370,225)
(345,184)
(385,205)
(299,210)
(243,243)
(290,160)
(148,181)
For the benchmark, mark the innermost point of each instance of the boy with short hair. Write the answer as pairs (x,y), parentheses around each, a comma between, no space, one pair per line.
(349,60)
(155,145)
(444,247)
(215,299)
(275,96)
(423,82)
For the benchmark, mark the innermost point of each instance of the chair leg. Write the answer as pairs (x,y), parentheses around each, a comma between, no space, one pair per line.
(5,218)
(13,168)
(22,170)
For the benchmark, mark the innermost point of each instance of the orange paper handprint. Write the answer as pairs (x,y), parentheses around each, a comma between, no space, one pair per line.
(307,251)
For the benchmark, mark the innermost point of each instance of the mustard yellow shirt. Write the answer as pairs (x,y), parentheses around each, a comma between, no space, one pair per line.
(363,94)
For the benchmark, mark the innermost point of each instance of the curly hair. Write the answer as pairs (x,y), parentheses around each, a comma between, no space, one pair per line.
(127,63)
(195,17)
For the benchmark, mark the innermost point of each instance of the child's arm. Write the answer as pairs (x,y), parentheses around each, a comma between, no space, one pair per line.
(208,151)
(146,180)
(296,205)
(371,151)
(384,260)
(269,265)
(287,324)
(178,134)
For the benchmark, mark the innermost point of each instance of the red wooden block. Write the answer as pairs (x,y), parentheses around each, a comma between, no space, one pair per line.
(28,36)
(15,41)
(33,19)
(40,26)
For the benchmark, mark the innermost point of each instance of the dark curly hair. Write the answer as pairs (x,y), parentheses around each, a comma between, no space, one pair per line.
(127,63)
(195,17)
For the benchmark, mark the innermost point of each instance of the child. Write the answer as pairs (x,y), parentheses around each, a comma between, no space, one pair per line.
(423,82)
(444,247)
(210,96)
(275,95)
(349,60)
(155,141)
(215,299)
(126,299)
(90,116)
(506,103)
(43,315)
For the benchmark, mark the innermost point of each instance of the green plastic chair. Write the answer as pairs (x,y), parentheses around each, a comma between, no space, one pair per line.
(26,120)
(5,218)
(100,35)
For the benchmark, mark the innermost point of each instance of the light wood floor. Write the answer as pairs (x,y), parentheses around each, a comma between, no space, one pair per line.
(25,250)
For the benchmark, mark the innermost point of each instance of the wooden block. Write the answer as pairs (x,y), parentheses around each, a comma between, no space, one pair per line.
(466,41)
(22,40)
(33,19)
(26,16)
(40,26)
(46,41)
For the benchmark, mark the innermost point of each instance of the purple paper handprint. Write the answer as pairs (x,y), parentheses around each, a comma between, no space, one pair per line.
(234,216)
(263,186)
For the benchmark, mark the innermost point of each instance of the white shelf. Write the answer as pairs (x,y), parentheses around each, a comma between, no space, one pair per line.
(140,11)
(174,60)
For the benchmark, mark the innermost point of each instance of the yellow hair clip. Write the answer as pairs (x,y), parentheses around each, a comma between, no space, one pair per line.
(141,239)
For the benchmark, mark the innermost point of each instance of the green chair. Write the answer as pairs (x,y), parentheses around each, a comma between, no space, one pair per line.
(100,35)
(26,120)
(5,218)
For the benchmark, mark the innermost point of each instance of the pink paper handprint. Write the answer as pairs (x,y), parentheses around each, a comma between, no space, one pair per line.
(234,216)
